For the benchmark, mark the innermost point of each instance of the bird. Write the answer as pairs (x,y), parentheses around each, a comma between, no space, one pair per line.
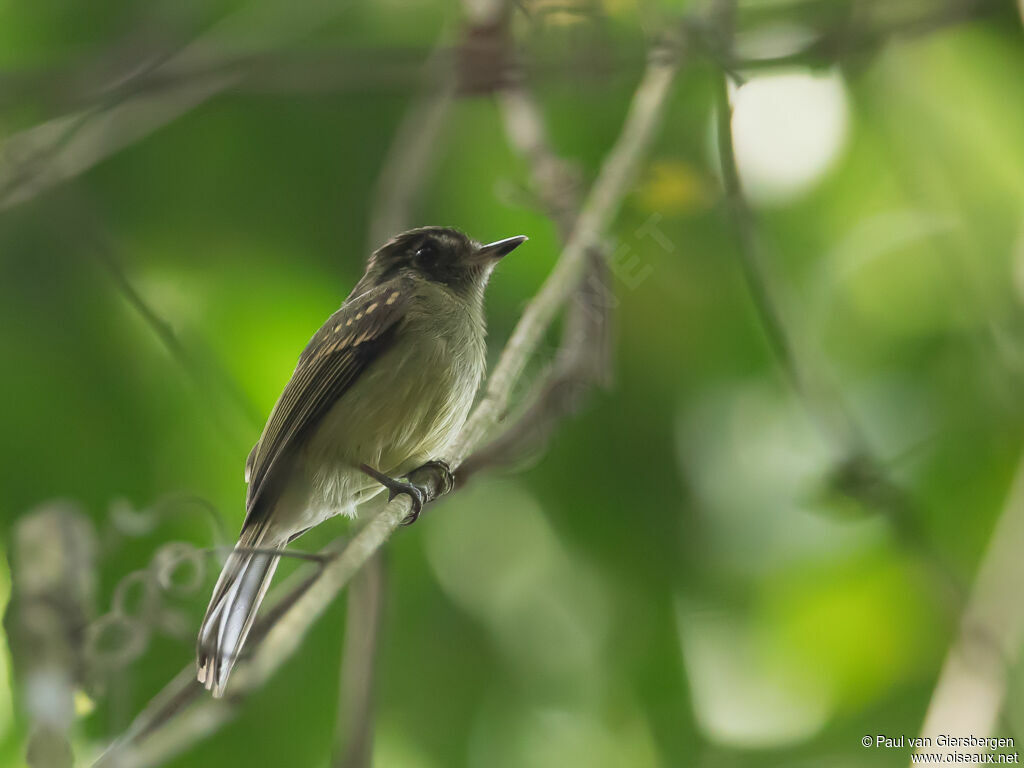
(379,392)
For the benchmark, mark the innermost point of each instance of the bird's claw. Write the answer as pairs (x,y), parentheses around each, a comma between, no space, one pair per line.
(396,487)
(435,477)
(437,480)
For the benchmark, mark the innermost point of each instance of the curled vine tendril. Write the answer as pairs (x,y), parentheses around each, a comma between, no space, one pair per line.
(143,602)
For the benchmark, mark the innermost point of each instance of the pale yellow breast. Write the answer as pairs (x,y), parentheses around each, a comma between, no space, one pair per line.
(408,405)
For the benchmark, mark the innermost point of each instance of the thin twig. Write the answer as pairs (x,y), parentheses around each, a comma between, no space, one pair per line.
(185,726)
(757,278)
(283,69)
(221,393)
(53,152)
(584,356)
(859,473)
(49,154)
(353,737)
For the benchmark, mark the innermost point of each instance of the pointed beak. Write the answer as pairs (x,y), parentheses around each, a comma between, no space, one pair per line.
(501,248)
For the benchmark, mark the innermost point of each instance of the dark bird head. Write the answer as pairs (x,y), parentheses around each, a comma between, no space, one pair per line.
(441,255)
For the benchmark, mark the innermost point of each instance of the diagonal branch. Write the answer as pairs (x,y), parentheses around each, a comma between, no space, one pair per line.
(757,278)
(584,357)
(49,154)
(228,406)
(972,686)
(601,206)
(172,730)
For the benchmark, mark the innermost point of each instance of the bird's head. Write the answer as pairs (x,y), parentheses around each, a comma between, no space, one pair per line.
(440,255)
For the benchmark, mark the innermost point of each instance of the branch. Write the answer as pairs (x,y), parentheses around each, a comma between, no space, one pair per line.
(232,55)
(172,728)
(219,391)
(583,361)
(756,277)
(601,206)
(584,356)
(49,154)
(972,685)
(353,737)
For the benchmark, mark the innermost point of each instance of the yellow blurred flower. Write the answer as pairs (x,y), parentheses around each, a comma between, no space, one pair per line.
(675,187)
(563,13)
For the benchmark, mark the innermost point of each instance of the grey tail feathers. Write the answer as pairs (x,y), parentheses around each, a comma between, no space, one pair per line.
(236,598)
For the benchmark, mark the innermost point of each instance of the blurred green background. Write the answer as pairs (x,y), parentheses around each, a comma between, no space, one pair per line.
(697,571)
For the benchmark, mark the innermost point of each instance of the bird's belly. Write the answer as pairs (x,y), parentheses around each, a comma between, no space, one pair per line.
(403,411)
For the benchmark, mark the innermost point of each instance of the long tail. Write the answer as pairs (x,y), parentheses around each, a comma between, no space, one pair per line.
(236,598)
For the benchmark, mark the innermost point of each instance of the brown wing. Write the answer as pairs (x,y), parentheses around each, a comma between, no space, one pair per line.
(333,360)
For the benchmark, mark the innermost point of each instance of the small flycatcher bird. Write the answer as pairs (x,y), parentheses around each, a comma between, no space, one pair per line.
(378,394)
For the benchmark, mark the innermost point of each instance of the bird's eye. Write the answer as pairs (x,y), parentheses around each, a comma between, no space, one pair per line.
(426,253)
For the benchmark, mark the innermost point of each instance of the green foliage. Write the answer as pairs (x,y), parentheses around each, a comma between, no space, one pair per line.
(690,555)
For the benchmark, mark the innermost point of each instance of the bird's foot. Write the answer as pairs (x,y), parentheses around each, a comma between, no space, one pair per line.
(436,477)
(422,485)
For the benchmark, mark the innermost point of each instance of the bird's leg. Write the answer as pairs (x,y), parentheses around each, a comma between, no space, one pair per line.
(396,487)
(422,485)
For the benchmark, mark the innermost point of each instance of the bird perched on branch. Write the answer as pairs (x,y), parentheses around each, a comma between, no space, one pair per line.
(378,394)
